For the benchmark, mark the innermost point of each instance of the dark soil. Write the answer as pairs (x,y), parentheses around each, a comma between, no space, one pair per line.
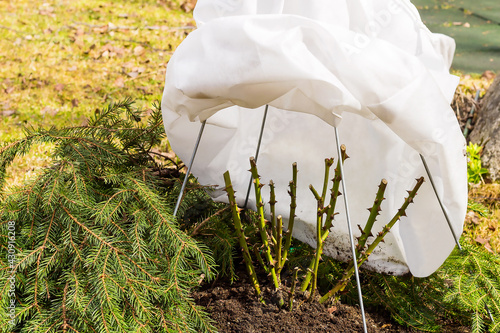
(236,309)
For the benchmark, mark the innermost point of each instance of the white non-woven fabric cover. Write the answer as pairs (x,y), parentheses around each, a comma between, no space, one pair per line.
(371,68)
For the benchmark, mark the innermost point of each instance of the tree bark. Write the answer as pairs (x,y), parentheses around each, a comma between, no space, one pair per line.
(487,130)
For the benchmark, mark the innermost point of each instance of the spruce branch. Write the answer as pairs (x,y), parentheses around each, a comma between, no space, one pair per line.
(98,247)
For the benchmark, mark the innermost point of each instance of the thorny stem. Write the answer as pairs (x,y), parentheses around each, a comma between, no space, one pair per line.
(256,250)
(319,227)
(292,289)
(313,272)
(279,237)
(291,219)
(262,221)
(319,248)
(334,195)
(272,204)
(241,235)
(374,212)
(330,214)
(380,236)
(328,165)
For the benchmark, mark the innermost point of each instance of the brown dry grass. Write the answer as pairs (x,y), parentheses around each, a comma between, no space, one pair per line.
(484,229)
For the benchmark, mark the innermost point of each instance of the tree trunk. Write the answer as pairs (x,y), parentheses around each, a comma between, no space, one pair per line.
(487,130)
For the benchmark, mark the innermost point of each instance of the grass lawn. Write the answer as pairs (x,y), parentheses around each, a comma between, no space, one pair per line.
(475,26)
(63,60)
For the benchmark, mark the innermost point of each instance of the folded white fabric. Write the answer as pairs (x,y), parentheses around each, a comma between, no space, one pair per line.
(371,68)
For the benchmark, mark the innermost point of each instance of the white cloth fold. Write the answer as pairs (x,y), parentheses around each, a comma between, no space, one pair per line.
(371,68)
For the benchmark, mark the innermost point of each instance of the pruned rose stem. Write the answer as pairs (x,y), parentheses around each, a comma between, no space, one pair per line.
(279,238)
(291,218)
(272,205)
(292,289)
(374,212)
(323,229)
(241,234)
(342,283)
(262,222)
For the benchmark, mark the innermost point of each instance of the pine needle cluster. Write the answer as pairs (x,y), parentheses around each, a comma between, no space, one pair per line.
(464,291)
(475,276)
(210,223)
(96,246)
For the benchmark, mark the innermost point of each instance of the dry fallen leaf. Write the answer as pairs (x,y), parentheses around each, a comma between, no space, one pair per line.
(101,30)
(79,41)
(481,240)
(49,111)
(332,309)
(119,82)
(144,90)
(139,50)
(59,87)
(7,113)
(472,217)
(84,121)
(133,74)
(488,248)
(488,75)
(46,10)
(188,5)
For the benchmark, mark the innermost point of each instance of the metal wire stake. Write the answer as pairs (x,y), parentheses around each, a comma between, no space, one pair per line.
(449,223)
(441,203)
(349,227)
(179,198)
(256,153)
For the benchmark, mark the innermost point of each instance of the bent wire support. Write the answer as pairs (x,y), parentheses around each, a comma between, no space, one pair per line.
(441,203)
(349,227)
(179,198)
(457,241)
(256,153)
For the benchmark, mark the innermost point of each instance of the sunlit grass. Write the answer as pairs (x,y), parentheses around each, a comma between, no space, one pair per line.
(63,60)
(484,229)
